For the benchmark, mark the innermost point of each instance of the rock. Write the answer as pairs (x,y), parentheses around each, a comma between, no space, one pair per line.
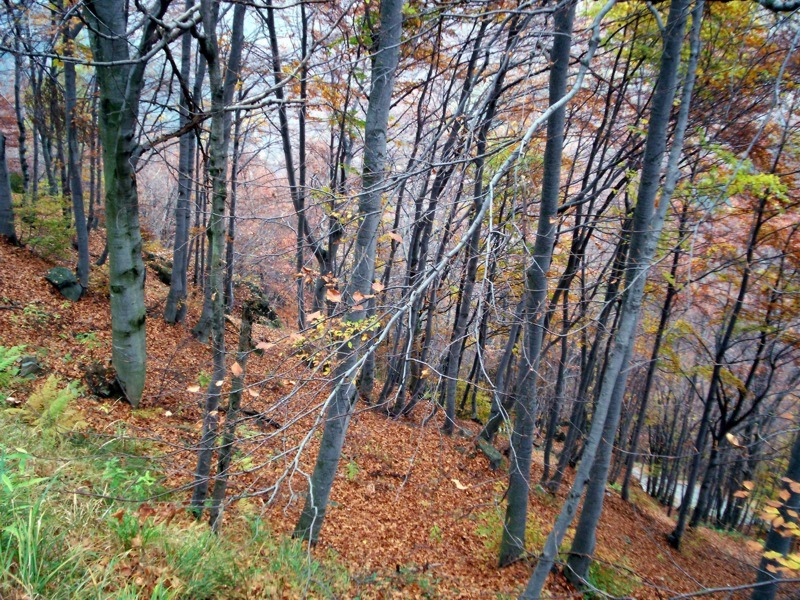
(494,456)
(29,365)
(162,266)
(261,304)
(65,282)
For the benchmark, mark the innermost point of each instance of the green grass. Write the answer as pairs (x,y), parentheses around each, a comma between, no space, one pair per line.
(617,582)
(87,517)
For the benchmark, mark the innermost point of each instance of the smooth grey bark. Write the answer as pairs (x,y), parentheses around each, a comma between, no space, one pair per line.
(230,238)
(120,84)
(512,545)
(666,311)
(583,543)
(339,410)
(175,309)
(780,539)
(7,228)
(222,89)
(73,157)
(214,310)
(647,224)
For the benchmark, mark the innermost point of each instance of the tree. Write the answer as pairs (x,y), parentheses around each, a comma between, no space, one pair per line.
(513,542)
(361,280)
(647,223)
(120,77)
(7,228)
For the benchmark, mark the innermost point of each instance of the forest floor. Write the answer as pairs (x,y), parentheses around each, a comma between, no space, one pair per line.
(413,513)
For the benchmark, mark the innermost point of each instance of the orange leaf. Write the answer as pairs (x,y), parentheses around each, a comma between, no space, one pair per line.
(358,297)
(377,287)
(236,369)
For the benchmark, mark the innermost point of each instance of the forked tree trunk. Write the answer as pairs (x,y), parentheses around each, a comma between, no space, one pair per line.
(221,96)
(218,143)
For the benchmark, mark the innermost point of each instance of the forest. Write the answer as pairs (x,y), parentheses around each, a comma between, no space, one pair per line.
(399,299)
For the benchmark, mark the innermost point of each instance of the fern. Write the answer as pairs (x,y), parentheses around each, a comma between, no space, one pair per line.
(48,407)
(8,368)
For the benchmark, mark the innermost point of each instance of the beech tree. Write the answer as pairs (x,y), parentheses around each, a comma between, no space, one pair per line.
(120,76)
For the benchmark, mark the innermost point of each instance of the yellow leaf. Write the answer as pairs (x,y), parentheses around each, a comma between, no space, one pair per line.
(219,382)
(732,440)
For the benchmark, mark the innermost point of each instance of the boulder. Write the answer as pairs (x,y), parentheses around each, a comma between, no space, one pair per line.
(65,282)
(29,365)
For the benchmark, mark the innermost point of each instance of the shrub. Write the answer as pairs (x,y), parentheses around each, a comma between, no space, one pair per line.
(46,227)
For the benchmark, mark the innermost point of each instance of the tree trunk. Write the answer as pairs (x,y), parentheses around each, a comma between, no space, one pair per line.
(341,401)
(120,86)
(231,421)
(780,538)
(175,309)
(512,545)
(647,224)
(75,171)
(219,140)
(583,544)
(7,228)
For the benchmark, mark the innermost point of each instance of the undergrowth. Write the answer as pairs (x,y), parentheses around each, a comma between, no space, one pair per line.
(85,517)
(612,581)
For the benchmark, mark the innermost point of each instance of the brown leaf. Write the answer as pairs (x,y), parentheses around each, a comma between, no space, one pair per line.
(236,369)
(334,296)
(377,287)
(358,297)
